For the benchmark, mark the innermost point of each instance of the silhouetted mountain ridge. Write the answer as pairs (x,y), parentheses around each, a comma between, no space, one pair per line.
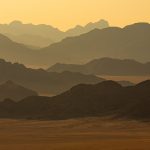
(144,84)
(43,35)
(106,66)
(131,42)
(42,81)
(11,90)
(103,99)
(78,30)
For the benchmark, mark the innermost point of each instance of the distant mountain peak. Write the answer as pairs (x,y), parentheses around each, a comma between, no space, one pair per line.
(111,60)
(109,84)
(137,26)
(15,23)
(11,90)
(144,84)
(79,26)
(78,30)
(10,84)
(98,23)
(106,66)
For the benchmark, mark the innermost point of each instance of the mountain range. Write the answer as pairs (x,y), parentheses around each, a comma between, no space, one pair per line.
(130,42)
(106,66)
(78,30)
(43,35)
(11,90)
(45,83)
(107,98)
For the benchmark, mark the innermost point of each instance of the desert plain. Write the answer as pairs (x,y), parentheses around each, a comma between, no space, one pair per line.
(74,134)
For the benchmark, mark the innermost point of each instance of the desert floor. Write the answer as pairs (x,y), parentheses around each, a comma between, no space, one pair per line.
(79,134)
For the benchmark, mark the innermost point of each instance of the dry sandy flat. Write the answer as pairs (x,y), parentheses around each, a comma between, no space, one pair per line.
(134,79)
(80,134)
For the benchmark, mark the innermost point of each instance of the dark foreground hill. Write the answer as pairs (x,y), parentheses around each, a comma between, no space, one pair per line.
(14,91)
(42,81)
(104,99)
(106,66)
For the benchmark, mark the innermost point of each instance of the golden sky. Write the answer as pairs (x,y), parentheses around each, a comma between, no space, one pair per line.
(68,13)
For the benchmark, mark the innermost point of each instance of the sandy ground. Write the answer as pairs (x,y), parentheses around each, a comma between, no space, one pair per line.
(80,134)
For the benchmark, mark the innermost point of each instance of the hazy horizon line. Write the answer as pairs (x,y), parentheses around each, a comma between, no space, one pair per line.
(65,30)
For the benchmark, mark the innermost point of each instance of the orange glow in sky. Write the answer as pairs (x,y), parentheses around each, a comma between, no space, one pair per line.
(68,13)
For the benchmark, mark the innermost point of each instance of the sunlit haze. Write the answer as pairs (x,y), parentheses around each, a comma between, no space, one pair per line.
(65,14)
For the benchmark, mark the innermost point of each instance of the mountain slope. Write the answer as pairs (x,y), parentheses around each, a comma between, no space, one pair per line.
(104,99)
(15,52)
(14,91)
(129,42)
(78,30)
(42,81)
(18,28)
(43,35)
(36,41)
(106,66)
